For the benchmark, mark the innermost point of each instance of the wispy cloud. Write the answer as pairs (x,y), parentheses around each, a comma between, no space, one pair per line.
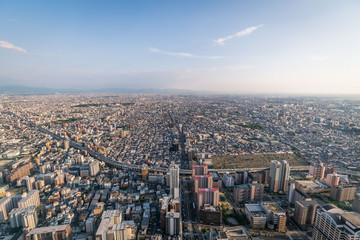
(247,31)
(221,69)
(4,44)
(182,54)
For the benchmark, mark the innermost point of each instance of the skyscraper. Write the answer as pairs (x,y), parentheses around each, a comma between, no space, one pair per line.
(284,175)
(279,176)
(174,177)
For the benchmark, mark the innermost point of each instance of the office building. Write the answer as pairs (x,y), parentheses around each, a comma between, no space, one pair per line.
(332,179)
(276,216)
(342,193)
(248,193)
(305,211)
(317,171)
(208,196)
(29,199)
(59,232)
(279,176)
(256,215)
(332,223)
(174,178)
(23,217)
(210,215)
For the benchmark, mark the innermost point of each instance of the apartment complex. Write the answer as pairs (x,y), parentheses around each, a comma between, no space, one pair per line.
(248,192)
(279,176)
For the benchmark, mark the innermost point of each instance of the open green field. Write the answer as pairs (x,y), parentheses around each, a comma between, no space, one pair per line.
(255,160)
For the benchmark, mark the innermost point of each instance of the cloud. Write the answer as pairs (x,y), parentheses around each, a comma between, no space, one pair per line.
(221,69)
(182,54)
(247,31)
(4,44)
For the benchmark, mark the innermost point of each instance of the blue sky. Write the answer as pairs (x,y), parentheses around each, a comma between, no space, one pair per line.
(232,46)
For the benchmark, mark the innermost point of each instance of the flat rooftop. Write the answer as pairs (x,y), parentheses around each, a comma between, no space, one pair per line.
(51,229)
(273,207)
(353,218)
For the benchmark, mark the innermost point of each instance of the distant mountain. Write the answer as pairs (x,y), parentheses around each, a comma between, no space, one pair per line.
(22,90)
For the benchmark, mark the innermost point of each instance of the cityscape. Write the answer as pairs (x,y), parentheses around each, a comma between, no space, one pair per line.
(144,166)
(179,120)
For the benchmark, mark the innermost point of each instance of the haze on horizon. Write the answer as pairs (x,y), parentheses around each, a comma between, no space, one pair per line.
(306,47)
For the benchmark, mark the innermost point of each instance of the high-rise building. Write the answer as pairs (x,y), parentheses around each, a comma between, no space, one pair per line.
(111,228)
(263,176)
(343,193)
(279,176)
(94,168)
(208,196)
(20,171)
(202,181)
(248,193)
(168,205)
(29,199)
(332,179)
(291,193)
(317,171)
(173,223)
(23,217)
(7,203)
(332,223)
(241,177)
(174,178)
(284,176)
(200,170)
(29,182)
(145,172)
(59,232)
(305,211)
(228,180)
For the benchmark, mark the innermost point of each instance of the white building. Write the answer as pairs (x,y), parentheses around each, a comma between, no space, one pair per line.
(174,178)
(228,180)
(29,199)
(23,217)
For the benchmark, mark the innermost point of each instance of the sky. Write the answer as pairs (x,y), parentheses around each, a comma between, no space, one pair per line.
(300,47)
